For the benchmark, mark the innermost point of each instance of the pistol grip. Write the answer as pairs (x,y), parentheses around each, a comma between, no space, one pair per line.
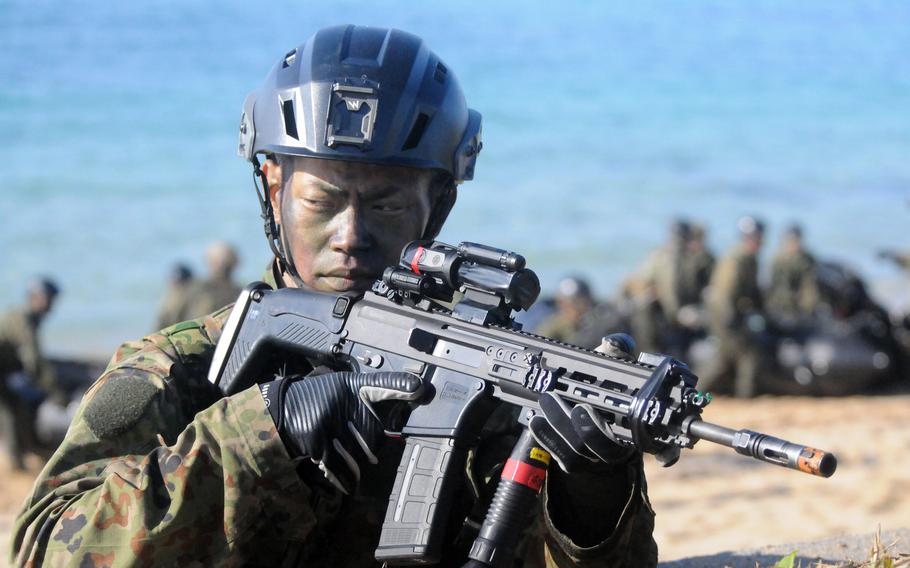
(428,477)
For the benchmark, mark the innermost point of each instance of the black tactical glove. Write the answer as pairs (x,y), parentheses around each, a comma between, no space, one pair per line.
(579,438)
(331,418)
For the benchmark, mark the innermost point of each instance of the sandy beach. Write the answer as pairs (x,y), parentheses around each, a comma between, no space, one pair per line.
(714,500)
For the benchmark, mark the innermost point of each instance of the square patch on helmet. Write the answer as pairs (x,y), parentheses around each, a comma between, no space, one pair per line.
(352,114)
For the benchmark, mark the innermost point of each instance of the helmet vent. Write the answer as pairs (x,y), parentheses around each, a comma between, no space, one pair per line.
(289,59)
(290,121)
(441,72)
(420,126)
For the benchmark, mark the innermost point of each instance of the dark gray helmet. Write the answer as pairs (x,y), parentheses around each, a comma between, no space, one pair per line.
(795,231)
(680,229)
(363,94)
(574,288)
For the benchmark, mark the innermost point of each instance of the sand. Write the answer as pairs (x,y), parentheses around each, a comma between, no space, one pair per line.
(16,486)
(714,500)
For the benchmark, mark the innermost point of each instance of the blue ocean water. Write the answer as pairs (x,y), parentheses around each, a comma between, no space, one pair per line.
(602,121)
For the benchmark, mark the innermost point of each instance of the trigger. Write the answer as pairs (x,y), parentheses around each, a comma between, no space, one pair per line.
(394,416)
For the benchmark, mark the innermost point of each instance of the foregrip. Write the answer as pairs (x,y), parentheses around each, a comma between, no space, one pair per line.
(513,504)
(429,475)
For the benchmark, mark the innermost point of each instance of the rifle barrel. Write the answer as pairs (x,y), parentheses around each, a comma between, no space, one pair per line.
(767,448)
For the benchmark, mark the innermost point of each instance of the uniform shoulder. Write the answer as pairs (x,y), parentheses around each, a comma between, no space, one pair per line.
(187,339)
(173,360)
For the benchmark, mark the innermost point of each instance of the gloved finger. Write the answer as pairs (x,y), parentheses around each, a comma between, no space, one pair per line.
(378,387)
(619,345)
(597,435)
(558,414)
(339,467)
(365,446)
(550,440)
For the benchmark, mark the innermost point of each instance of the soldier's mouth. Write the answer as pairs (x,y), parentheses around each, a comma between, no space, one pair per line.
(345,280)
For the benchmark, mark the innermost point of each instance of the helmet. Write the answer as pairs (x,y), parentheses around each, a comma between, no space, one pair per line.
(795,231)
(221,257)
(363,94)
(680,232)
(181,273)
(574,288)
(750,226)
(45,286)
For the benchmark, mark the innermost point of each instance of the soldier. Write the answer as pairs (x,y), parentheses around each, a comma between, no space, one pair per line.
(579,318)
(26,378)
(901,259)
(365,135)
(734,306)
(178,285)
(694,276)
(794,288)
(697,267)
(573,302)
(216,291)
(655,292)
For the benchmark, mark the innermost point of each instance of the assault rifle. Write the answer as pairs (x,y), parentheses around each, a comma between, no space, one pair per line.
(472,356)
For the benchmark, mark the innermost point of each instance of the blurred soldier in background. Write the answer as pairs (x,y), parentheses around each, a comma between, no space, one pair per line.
(794,287)
(219,289)
(656,292)
(697,267)
(695,275)
(26,378)
(901,259)
(573,302)
(734,306)
(579,318)
(178,286)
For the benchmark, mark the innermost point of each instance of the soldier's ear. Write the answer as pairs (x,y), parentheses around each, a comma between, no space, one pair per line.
(272,170)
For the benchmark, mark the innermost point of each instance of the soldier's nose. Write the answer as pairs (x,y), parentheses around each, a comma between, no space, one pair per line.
(350,232)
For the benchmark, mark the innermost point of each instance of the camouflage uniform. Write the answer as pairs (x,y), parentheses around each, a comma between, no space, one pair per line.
(734,295)
(694,276)
(656,298)
(20,352)
(794,288)
(558,327)
(20,349)
(158,469)
(598,321)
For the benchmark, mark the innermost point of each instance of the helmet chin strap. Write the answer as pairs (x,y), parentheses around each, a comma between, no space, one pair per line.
(277,241)
(286,263)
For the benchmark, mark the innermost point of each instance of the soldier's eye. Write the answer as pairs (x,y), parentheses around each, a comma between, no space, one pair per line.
(389,207)
(318,204)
